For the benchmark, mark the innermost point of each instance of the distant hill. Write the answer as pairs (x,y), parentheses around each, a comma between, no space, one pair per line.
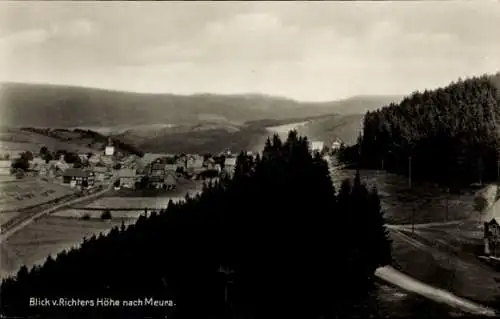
(178,123)
(64,106)
(329,128)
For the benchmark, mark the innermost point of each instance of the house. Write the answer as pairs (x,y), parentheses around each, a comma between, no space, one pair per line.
(107,160)
(59,166)
(78,177)
(94,159)
(84,159)
(109,150)
(149,158)
(100,173)
(47,169)
(336,145)
(171,167)
(5,167)
(157,173)
(229,165)
(128,177)
(170,164)
(317,146)
(194,164)
(36,162)
(491,222)
(181,161)
(170,181)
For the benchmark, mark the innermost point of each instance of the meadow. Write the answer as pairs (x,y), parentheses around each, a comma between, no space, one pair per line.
(48,236)
(423,203)
(96,214)
(15,141)
(133,202)
(27,192)
(446,258)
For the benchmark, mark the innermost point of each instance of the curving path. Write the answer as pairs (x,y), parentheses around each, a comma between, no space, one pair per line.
(397,278)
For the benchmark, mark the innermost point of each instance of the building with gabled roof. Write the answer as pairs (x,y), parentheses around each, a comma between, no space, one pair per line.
(128,177)
(491,222)
(77,177)
(5,167)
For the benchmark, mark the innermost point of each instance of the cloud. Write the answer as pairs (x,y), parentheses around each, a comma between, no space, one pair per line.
(76,28)
(25,37)
(307,50)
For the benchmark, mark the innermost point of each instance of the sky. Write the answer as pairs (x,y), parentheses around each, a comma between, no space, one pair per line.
(312,51)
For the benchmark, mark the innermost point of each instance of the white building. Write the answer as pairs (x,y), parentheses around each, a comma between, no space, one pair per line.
(317,146)
(110,149)
(336,145)
(5,166)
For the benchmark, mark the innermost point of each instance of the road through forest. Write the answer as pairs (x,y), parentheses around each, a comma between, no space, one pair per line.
(410,284)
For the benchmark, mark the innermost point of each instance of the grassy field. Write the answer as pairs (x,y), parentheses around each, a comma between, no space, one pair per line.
(133,202)
(15,141)
(394,302)
(183,186)
(445,257)
(54,233)
(49,235)
(96,214)
(428,201)
(19,194)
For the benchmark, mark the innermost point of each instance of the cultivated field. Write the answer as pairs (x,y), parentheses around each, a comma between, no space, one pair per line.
(66,228)
(27,192)
(48,235)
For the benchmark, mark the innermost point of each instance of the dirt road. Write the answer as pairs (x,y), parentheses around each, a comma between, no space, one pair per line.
(397,278)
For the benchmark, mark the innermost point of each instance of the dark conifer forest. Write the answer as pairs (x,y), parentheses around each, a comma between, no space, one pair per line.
(273,241)
(449,135)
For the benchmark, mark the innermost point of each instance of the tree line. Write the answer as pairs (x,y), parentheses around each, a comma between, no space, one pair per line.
(274,240)
(449,135)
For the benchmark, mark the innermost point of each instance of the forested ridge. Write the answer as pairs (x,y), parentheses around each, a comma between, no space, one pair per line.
(289,245)
(449,135)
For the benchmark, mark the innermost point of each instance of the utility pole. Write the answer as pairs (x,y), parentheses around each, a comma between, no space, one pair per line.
(409,171)
(498,171)
(413,218)
(447,195)
(480,169)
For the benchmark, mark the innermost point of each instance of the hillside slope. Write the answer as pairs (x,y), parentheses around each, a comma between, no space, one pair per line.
(62,106)
(451,133)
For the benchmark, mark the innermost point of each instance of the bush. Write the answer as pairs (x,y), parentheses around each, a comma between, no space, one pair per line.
(86,216)
(106,215)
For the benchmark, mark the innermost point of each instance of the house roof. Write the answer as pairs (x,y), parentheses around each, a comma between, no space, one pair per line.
(196,162)
(150,157)
(127,172)
(76,172)
(100,169)
(5,163)
(230,161)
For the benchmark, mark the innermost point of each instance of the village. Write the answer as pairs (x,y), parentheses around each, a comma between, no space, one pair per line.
(95,169)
